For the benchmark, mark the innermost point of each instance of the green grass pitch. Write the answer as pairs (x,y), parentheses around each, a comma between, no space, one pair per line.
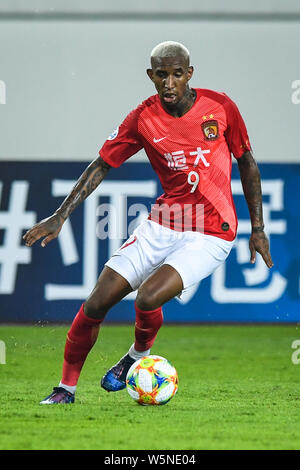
(238,389)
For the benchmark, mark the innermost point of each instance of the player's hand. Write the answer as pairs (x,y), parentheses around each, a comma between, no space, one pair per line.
(259,243)
(48,228)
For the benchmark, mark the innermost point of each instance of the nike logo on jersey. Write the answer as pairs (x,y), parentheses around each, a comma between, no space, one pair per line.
(158,140)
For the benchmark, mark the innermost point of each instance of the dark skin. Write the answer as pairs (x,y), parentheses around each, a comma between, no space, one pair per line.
(51,226)
(250,178)
(170,76)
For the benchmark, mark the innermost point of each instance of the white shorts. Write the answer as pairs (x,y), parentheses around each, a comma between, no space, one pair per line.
(194,255)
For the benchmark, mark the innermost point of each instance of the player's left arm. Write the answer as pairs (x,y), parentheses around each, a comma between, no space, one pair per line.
(251,182)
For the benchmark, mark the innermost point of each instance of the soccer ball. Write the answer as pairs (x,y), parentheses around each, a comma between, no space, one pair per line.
(152,380)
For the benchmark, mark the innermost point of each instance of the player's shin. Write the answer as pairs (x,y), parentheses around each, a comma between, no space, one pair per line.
(80,339)
(146,328)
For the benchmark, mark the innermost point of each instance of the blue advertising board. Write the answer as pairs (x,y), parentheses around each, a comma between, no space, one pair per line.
(49,284)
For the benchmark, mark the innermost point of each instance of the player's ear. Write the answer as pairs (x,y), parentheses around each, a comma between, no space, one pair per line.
(150,73)
(190,72)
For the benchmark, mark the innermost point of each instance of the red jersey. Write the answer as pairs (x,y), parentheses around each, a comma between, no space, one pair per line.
(191,156)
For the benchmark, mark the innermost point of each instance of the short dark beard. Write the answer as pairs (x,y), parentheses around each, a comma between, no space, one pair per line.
(184,105)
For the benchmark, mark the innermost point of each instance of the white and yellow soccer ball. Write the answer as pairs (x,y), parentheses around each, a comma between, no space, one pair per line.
(152,380)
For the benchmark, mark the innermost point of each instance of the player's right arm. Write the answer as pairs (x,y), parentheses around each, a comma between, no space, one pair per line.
(121,145)
(50,227)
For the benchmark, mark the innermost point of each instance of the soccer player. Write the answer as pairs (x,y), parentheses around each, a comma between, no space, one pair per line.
(188,135)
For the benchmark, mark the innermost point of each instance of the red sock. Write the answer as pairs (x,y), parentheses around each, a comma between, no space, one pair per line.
(80,339)
(146,327)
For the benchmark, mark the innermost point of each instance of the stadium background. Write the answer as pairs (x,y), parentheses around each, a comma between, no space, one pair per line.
(69,74)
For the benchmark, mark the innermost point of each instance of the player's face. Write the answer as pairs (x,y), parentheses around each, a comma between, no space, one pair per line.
(170,76)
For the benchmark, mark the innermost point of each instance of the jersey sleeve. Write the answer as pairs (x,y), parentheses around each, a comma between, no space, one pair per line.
(236,133)
(124,142)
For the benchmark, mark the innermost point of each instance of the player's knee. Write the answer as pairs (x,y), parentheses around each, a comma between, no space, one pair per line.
(146,299)
(94,308)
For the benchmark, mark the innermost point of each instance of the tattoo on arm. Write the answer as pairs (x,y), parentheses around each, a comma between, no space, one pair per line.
(88,181)
(251,182)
